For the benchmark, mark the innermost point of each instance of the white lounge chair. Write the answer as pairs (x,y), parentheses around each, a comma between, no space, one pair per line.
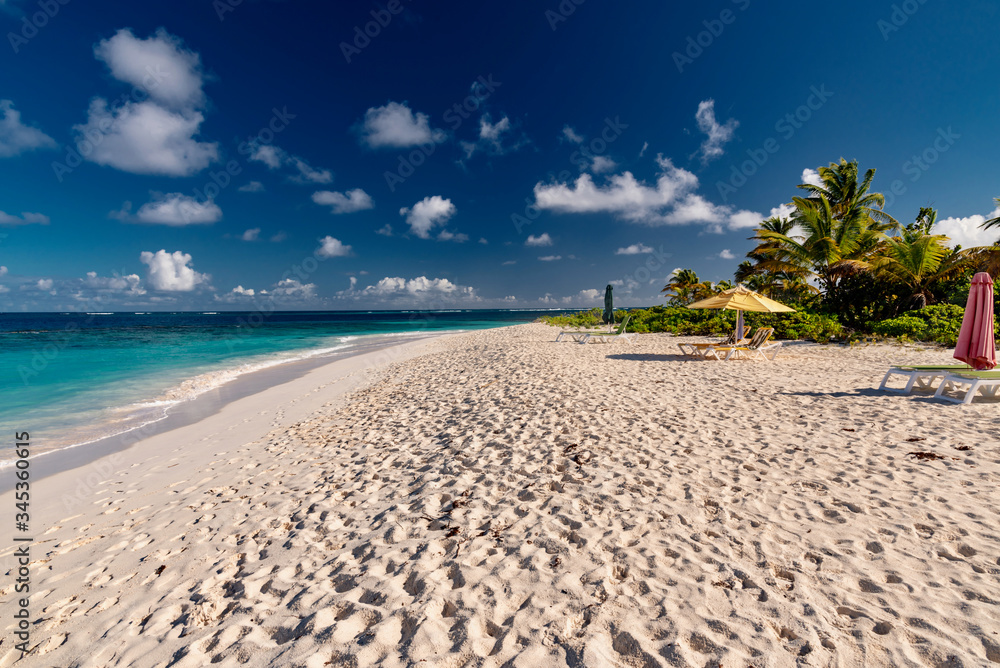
(577,334)
(987,382)
(611,337)
(920,377)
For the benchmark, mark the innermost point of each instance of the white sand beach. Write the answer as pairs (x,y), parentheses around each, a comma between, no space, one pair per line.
(498,499)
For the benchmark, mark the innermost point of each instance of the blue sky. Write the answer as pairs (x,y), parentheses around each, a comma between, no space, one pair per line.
(217,155)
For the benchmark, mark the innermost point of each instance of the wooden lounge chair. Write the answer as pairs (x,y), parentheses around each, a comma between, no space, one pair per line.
(700,349)
(987,382)
(611,337)
(758,347)
(920,377)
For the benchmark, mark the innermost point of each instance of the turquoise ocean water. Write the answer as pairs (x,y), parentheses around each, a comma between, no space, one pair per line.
(75,378)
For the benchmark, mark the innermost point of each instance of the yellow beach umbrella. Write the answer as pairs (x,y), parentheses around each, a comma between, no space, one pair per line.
(742,299)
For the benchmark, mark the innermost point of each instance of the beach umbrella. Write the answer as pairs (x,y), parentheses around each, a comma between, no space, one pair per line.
(609,306)
(976,345)
(742,299)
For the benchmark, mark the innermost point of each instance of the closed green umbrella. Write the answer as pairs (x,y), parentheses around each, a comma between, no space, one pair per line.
(609,306)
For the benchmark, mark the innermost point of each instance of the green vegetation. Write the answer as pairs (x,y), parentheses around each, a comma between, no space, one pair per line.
(848,268)
(684,321)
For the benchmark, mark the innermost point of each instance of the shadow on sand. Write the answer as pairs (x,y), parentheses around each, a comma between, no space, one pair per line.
(650,357)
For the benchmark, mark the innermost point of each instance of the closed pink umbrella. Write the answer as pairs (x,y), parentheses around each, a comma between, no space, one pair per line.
(976,346)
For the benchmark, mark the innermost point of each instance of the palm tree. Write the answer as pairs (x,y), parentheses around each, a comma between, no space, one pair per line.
(849,199)
(829,247)
(993,222)
(681,286)
(832,234)
(918,262)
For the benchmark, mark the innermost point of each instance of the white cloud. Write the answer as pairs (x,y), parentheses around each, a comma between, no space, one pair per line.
(44,284)
(173,209)
(346,202)
(602,164)
(237,294)
(571,135)
(274,157)
(427,214)
(270,155)
(26,218)
(420,288)
(130,284)
(158,135)
(671,202)
(645,145)
(492,131)
(508,263)
(252,187)
(634,249)
(279,237)
(446,235)
(293,289)
(550,258)
(15,137)
(309,175)
(726,254)
(696,209)
(590,294)
(396,126)
(3,271)
(811,176)
(745,219)
(624,195)
(483,241)
(966,232)
(718,135)
(330,247)
(491,138)
(251,235)
(385,230)
(169,272)
(144,138)
(160,65)
(541,240)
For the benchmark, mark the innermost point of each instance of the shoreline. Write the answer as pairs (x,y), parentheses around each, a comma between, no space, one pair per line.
(200,406)
(251,392)
(496,498)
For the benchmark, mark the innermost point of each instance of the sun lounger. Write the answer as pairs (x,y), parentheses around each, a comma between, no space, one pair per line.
(577,334)
(701,349)
(920,377)
(758,347)
(987,382)
(611,337)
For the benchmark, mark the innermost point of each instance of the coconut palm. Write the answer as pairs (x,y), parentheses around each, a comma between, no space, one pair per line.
(918,262)
(681,287)
(849,199)
(829,247)
(993,222)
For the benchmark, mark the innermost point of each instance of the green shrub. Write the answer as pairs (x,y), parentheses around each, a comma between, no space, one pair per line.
(903,327)
(939,323)
(591,318)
